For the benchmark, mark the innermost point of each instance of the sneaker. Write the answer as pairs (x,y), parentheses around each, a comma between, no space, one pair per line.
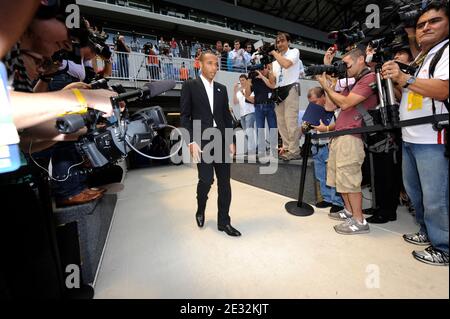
(323,204)
(431,256)
(417,239)
(336,208)
(352,227)
(340,215)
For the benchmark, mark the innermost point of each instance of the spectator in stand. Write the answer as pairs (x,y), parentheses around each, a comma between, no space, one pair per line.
(184,72)
(248,54)
(123,51)
(219,49)
(174,48)
(152,62)
(197,63)
(195,48)
(237,58)
(162,44)
(167,64)
(224,60)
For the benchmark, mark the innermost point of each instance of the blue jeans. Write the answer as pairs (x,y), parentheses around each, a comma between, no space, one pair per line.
(60,81)
(248,125)
(425,175)
(329,194)
(263,112)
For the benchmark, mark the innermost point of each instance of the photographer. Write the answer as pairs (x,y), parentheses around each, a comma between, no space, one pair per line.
(347,152)
(425,156)
(286,68)
(386,157)
(122,51)
(262,86)
(320,151)
(247,112)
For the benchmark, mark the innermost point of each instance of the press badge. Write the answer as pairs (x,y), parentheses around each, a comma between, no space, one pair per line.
(415,101)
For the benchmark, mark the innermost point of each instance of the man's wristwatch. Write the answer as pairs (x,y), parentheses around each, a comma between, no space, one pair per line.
(411,80)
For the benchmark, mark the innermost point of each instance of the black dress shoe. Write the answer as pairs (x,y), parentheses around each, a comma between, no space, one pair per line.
(200,218)
(324,204)
(336,208)
(377,219)
(229,230)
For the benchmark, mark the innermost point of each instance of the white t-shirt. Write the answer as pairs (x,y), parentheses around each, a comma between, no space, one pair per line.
(244,107)
(290,75)
(415,106)
(8,132)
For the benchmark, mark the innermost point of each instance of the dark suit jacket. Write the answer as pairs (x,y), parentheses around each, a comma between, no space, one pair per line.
(195,106)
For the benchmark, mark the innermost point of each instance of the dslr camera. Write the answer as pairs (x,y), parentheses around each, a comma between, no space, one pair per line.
(337,69)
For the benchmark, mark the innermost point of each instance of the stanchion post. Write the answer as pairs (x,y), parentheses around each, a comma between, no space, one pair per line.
(299,208)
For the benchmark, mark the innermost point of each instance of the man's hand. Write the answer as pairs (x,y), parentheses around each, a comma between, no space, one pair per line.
(99,100)
(323,80)
(391,70)
(77,85)
(321,128)
(195,151)
(232,150)
(329,56)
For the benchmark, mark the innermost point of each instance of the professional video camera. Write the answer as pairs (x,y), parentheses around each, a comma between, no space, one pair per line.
(263,57)
(337,69)
(346,38)
(408,12)
(109,143)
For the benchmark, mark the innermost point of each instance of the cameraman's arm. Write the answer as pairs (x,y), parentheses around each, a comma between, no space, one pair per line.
(344,102)
(284,62)
(31,109)
(235,98)
(329,105)
(270,82)
(248,91)
(431,88)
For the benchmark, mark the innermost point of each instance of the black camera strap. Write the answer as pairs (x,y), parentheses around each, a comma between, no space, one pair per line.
(437,57)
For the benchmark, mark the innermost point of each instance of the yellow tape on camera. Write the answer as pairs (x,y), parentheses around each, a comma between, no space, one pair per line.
(83,103)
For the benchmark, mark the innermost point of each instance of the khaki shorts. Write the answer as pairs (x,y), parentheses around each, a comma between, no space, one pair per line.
(344,164)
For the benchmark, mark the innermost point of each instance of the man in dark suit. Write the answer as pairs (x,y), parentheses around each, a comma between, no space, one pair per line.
(205,102)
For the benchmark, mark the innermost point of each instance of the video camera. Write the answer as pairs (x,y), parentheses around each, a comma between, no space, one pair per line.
(263,56)
(110,142)
(346,38)
(408,13)
(337,69)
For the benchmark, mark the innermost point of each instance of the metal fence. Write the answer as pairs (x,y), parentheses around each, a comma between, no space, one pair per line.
(140,67)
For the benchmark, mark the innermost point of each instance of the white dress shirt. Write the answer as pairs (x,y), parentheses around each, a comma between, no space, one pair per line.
(210,92)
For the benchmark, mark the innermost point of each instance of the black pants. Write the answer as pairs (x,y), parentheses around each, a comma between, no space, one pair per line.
(206,179)
(388,181)
(30,266)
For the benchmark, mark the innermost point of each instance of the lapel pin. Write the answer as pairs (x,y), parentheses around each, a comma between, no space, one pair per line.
(218,90)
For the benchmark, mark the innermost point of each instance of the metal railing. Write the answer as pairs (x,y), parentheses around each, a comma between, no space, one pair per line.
(140,67)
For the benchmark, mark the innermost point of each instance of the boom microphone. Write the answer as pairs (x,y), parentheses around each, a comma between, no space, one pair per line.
(150,90)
